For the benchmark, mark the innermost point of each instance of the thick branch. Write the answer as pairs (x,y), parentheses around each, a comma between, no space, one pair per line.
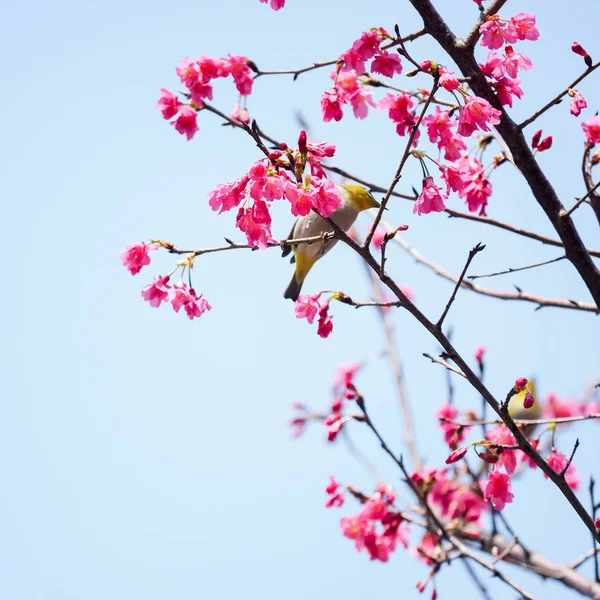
(511,133)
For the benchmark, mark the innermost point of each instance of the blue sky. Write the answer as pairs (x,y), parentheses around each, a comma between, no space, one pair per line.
(144,456)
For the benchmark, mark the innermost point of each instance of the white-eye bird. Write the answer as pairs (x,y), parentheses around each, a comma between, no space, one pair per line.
(355,199)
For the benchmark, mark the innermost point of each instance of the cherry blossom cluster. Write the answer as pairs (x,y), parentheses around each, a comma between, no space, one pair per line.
(280,176)
(275,4)
(137,255)
(196,76)
(308,307)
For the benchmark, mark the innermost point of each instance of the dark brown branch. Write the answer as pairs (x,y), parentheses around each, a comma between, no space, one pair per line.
(586,168)
(471,38)
(511,133)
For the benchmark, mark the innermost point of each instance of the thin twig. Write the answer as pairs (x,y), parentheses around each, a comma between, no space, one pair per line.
(520,294)
(582,199)
(444,364)
(478,248)
(592,552)
(557,98)
(562,473)
(517,269)
(594,510)
(557,420)
(476,580)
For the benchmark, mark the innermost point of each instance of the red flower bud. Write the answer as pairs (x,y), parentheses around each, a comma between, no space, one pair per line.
(520,383)
(275,154)
(529,400)
(545,144)
(578,49)
(426,65)
(489,458)
(535,140)
(597,523)
(302,142)
(456,455)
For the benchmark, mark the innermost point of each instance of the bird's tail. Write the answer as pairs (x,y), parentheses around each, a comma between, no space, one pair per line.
(293,290)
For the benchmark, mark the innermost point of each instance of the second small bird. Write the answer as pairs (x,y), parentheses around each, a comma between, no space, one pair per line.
(355,199)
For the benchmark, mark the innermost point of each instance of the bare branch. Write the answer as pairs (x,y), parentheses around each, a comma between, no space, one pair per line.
(517,269)
(444,364)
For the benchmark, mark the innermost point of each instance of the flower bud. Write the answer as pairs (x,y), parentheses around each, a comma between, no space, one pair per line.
(456,455)
(535,140)
(520,383)
(426,65)
(528,400)
(545,144)
(597,523)
(302,142)
(578,49)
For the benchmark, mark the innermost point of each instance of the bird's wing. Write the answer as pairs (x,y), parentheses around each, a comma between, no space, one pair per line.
(287,248)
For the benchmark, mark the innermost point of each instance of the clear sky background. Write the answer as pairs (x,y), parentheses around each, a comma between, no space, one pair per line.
(147,457)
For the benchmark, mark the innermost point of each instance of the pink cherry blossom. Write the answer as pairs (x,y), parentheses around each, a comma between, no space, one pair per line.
(275,4)
(352,61)
(264,183)
(456,455)
(558,462)
(157,291)
(332,486)
(242,74)
(522,27)
(135,256)
(228,195)
(398,107)
(196,305)
(344,374)
(557,408)
(367,45)
(439,125)
(545,144)
(427,550)
(378,236)
(493,32)
(493,66)
(307,307)
(577,103)
(300,199)
(211,68)
(502,435)
(336,500)
(453,434)
(168,104)
(591,128)
(186,123)
(453,147)
(322,150)
(387,64)
(430,199)
(506,88)
(513,61)
(326,198)
(448,80)
(255,222)
(453,178)
(331,105)
(240,113)
(180,296)
(325,323)
(188,72)
(477,113)
(477,189)
(497,489)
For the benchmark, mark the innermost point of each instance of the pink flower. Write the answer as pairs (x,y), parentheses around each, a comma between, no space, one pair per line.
(378,236)
(493,33)
(513,61)
(545,144)
(522,27)
(331,106)
(428,547)
(453,434)
(322,150)
(336,500)
(558,462)
(186,123)
(501,435)
(332,486)
(300,199)
(275,4)
(497,489)
(196,305)
(506,88)
(591,128)
(168,104)
(325,323)
(211,68)
(430,199)
(307,307)
(556,408)
(398,107)
(228,195)
(352,61)
(577,103)
(180,296)
(448,80)
(265,184)
(255,222)
(439,125)
(157,291)
(240,113)
(477,189)
(477,113)
(326,198)
(352,92)
(578,49)
(135,256)
(344,374)
(453,147)
(387,64)
(493,66)
(479,354)
(456,455)
(453,178)
(367,45)
(241,73)
(199,91)
(188,72)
